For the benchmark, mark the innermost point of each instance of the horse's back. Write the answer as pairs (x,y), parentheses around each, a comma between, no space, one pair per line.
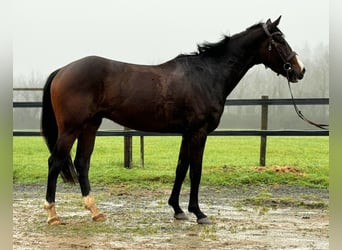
(129,94)
(150,98)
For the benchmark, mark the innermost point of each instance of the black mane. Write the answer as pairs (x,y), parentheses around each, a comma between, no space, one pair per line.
(218,48)
(213,49)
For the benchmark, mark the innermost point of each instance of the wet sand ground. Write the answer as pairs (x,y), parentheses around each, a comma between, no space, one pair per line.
(278,217)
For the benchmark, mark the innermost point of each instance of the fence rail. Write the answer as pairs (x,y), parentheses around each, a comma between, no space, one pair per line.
(263,132)
(231,102)
(223,132)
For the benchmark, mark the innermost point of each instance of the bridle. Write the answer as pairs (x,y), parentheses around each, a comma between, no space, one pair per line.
(287,66)
(286,58)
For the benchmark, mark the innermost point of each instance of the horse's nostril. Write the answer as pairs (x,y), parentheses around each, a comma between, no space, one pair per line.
(301,74)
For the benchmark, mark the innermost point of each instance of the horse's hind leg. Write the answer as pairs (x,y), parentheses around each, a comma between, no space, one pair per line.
(85,148)
(58,158)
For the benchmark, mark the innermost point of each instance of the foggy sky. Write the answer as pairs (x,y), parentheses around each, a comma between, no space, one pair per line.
(50,34)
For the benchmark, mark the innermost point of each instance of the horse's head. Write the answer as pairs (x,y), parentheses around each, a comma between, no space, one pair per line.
(277,54)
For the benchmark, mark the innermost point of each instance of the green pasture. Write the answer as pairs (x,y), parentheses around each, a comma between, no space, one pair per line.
(227,161)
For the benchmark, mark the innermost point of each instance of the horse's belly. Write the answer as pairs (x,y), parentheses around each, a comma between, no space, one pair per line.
(150,120)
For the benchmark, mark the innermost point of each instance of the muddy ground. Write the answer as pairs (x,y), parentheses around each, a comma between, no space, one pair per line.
(278,217)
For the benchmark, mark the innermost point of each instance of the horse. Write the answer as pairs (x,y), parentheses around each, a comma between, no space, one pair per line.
(185,95)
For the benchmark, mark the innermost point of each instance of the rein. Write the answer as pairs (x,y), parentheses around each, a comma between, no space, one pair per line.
(288,67)
(299,112)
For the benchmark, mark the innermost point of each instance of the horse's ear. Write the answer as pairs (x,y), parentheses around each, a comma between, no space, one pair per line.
(276,22)
(272,25)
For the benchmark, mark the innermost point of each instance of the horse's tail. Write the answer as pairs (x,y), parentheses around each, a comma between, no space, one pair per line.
(50,130)
(49,124)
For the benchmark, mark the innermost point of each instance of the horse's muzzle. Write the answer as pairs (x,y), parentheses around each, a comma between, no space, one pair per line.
(295,76)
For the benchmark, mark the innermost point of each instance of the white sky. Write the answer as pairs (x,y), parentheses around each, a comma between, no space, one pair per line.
(49,34)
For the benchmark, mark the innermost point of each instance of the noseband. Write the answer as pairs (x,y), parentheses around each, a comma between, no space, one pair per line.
(286,58)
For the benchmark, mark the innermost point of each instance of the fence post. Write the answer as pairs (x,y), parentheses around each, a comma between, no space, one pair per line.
(127,150)
(263,138)
(142,151)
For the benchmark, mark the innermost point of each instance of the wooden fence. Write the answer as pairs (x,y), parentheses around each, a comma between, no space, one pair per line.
(263,132)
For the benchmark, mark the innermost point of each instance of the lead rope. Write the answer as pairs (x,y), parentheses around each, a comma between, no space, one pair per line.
(299,113)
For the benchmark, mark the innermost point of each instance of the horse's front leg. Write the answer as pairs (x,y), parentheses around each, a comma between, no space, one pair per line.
(182,168)
(197,144)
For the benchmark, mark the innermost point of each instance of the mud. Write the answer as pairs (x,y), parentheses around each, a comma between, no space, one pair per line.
(278,217)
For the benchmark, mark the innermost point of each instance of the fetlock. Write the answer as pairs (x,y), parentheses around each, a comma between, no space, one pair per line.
(53,218)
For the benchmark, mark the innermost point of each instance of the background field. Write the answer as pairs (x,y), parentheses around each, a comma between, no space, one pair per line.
(227,161)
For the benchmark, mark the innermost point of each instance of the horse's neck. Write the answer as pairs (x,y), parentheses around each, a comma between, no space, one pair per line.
(236,70)
(235,67)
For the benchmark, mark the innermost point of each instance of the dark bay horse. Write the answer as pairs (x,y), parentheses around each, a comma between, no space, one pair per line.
(185,95)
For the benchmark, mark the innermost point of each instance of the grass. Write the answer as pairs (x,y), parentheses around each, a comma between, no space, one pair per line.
(227,161)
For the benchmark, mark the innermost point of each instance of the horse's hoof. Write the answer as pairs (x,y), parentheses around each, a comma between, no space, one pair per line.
(99,218)
(204,221)
(54,221)
(181,216)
